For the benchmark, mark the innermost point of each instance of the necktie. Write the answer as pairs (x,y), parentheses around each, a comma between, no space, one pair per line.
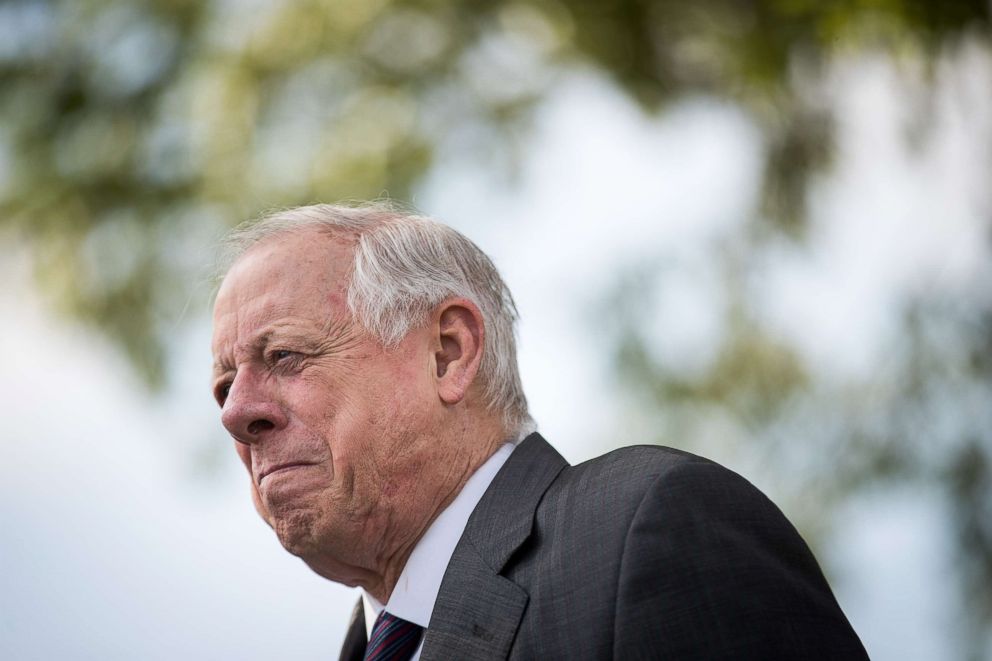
(392,639)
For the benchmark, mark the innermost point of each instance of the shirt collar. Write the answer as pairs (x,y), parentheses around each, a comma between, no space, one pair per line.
(416,589)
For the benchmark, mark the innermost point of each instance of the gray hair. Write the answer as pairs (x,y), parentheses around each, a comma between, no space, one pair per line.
(404,266)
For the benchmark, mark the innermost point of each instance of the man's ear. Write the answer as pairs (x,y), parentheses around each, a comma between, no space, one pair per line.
(459,333)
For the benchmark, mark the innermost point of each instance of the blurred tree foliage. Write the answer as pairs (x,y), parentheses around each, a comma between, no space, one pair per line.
(132,130)
(129,126)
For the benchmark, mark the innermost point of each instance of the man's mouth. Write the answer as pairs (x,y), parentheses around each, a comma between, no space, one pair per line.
(279,468)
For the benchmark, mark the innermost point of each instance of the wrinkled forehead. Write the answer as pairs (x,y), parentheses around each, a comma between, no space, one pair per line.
(306,256)
(297,274)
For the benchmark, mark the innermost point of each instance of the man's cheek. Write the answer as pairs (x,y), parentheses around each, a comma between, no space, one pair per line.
(244,452)
(259,505)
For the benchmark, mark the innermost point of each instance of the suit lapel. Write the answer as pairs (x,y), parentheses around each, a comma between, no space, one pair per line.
(478,611)
(355,640)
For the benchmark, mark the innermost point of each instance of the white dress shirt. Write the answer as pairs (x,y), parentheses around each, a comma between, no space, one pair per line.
(416,590)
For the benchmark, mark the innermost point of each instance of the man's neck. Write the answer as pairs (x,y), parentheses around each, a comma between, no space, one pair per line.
(435,487)
(415,593)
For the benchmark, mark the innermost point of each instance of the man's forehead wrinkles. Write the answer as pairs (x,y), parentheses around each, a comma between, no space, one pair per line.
(254,340)
(221,349)
(287,327)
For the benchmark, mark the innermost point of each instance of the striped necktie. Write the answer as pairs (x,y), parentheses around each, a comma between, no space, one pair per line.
(392,639)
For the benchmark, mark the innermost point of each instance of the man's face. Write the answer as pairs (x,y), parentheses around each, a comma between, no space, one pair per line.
(331,426)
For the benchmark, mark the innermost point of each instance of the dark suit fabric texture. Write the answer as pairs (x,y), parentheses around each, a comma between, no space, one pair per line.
(643,553)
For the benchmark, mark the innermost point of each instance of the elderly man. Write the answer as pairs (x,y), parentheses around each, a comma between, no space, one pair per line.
(365,367)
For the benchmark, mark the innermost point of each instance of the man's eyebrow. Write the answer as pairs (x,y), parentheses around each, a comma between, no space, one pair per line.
(278,335)
(333,334)
(257,345)
(221,366)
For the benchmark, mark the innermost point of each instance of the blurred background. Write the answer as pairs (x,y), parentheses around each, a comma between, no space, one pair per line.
(756,230)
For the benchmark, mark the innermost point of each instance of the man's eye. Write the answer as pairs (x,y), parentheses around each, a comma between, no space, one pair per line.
(284,358)
(222,392)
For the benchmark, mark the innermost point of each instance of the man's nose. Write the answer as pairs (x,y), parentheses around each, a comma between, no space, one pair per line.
(250,411)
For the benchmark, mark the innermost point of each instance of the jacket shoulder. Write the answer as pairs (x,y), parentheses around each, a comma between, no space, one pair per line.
(629,472)
(666,553)
(572,561)
(727,573)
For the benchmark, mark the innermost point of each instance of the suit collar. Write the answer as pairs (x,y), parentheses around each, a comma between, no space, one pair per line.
(503,519)
(478,611)
(353,648)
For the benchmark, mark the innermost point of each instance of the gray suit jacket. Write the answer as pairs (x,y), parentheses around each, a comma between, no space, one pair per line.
(644,553)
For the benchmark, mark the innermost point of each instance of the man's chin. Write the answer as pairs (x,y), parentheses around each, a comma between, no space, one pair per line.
(296,533)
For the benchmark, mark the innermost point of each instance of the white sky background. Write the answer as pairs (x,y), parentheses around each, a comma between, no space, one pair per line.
(115,546)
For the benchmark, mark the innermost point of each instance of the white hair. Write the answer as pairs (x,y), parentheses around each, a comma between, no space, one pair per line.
(404,266)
